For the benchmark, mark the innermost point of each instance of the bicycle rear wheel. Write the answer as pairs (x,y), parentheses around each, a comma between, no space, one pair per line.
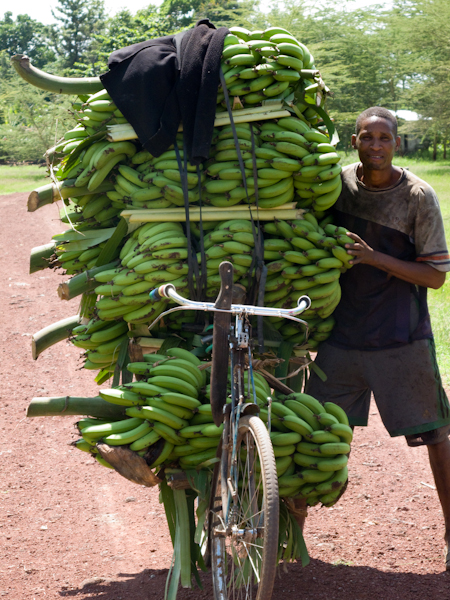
(244,547)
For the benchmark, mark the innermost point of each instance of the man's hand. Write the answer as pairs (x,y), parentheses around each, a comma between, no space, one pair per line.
(361,250)
(410,271)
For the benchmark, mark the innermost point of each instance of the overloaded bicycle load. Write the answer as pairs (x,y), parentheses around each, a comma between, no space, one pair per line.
(137,220)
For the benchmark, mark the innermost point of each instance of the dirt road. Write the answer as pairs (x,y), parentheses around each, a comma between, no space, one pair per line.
(70,528)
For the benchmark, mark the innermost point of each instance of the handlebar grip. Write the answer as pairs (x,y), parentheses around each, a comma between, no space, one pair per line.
(162,292)
(304,302)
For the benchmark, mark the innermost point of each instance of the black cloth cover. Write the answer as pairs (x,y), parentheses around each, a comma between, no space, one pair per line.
(155,93)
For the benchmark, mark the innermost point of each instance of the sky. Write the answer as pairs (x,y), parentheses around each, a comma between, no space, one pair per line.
(41,11)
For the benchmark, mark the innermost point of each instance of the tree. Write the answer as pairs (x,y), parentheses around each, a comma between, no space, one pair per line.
(78,22)
(427,46)
(358,54)
(23,36)
(31,120)
(226,13)
(124,29)
(184,13)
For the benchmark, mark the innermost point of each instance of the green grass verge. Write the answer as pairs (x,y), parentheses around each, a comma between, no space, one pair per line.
(437,174)
(25,178)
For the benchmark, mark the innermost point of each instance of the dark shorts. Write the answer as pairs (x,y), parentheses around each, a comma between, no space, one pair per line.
(405,382)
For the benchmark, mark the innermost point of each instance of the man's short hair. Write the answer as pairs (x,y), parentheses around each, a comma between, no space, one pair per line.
(376,111)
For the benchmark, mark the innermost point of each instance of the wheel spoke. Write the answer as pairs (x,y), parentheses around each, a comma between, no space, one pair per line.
(245,572)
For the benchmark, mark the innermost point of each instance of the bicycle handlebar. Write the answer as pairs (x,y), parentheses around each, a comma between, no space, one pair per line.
(169,291)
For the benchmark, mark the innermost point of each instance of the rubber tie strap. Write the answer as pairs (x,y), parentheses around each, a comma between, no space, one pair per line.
(203,278)
(233,129)
(186,210)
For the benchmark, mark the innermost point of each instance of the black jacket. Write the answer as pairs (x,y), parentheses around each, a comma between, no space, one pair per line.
(162,82)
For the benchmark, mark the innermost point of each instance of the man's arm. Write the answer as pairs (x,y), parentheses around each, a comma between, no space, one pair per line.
(412,272)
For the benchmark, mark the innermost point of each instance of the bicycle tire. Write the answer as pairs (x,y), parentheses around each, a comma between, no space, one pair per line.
(233,576)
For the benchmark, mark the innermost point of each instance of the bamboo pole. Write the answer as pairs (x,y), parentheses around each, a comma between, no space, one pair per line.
(52,334)
(119,133)
(210,210)
(214,214)
(67,406)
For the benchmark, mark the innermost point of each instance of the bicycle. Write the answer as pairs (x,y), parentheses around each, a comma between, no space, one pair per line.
(243,515)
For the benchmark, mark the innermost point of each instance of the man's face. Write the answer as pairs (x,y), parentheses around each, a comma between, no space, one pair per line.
(376,143)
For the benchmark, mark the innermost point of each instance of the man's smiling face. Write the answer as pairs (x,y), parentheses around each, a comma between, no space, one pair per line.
(376,143)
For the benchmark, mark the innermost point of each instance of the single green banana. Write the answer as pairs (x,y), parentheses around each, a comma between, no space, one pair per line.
(169,434)
(332,464)
(337,412)
(178,411)
(204,443)
(128,437)
(322,437)
(335,483)
(174,384)
(145,441)
(344,432)
(151,414)
(284,439)
(97,432)
(297,424)
(196,460)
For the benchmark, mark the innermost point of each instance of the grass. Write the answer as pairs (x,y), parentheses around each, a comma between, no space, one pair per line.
(24,178)
(437,174)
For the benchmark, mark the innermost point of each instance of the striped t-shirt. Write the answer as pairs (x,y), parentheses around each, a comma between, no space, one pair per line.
(378,310)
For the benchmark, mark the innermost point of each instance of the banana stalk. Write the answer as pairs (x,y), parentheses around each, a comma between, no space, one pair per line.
(72,405)
(84,282)
(52,334)
(52,83)
(49,193)
(87,305)
(39,257)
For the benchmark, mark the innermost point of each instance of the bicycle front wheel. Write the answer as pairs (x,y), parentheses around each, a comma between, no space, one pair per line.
(244,531)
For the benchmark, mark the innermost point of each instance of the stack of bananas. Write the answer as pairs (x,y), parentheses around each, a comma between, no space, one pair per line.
(261,65)
(155,182)
(317,465)
(93,112)
(85,159)
(159,408)
(305,258)
(101,340)
(77,251)
(310,441)
(155,253)
(301,257)
(290,159)
(168,423)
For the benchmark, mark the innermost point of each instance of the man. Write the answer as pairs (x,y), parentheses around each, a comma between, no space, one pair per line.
(382,341)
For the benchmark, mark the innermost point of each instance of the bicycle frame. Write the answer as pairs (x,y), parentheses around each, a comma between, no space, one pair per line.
(239,342)
(241,520)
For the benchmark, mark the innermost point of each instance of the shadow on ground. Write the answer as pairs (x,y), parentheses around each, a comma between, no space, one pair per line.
(318,581)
